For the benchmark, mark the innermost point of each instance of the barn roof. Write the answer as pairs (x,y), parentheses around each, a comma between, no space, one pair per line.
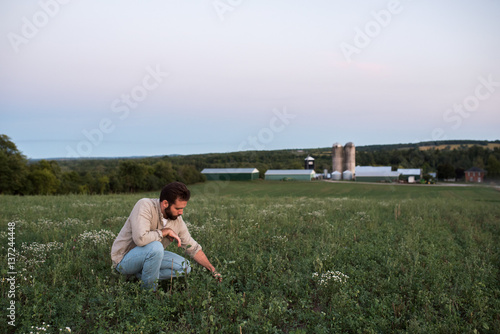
(229,171)
(409,171)
(290,172)
(377,174)
(378,171)
(372,169)
(475,169)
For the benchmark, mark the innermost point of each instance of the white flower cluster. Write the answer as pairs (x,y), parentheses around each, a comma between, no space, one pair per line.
(215,220)
(23,273)
(360,216)
(44,328)
(325,278)
(265,212)
(37,253)
(279,206)
(194,228)
(280,239)
(113,220)
(96,237)
(338,199)
(38,208)
(317,213)
(82,204)
(44,223)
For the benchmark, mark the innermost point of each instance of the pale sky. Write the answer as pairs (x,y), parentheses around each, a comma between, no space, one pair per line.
(141,78)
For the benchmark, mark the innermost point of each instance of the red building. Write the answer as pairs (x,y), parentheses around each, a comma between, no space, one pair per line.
(474,174)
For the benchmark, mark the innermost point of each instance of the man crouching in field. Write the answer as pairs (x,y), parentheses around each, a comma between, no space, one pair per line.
(139,248)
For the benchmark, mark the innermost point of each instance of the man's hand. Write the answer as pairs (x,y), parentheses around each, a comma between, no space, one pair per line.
(217,276)
(201,258)
(171,235)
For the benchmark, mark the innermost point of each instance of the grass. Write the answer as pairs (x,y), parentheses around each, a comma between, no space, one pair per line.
(416,259)
(273,189)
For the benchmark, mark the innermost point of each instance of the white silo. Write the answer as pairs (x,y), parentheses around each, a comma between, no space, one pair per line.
(336,175)
(350,157)
(347,175)
(337,158)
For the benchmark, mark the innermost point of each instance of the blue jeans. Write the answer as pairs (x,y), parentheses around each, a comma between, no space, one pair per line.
(152,263)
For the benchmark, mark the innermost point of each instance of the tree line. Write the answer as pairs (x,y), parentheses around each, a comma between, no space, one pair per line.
(18,175)
(86,176)
(447,162)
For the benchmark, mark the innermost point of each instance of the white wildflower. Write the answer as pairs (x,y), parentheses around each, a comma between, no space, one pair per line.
(82,204)
(114,220)
(36,253)
(280,239)
(328,276)
(317,213)
(44,223)
(96,237)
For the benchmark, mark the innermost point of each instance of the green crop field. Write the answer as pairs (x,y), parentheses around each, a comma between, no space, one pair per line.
(296,257)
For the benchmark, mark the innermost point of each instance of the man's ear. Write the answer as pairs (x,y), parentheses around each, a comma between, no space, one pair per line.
(165,203)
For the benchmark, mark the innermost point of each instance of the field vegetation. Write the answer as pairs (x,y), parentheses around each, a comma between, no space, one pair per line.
(296,257)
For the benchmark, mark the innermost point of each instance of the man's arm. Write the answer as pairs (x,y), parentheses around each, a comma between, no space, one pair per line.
(202,259)
(171,235)
(199,257)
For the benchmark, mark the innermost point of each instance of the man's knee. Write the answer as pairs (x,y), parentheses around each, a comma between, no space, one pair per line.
(155,249)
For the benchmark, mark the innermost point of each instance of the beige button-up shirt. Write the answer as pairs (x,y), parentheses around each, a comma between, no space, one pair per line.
(144,225)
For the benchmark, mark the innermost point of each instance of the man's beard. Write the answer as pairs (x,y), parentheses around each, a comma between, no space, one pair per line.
(168,213)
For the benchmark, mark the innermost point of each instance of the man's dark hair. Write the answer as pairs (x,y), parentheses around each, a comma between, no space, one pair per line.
(175,191)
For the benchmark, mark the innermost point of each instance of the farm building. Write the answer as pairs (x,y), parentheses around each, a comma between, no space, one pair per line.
(336,175)
(347,175)
(290,174)
(309,162)
(233,174)
(411,175)
(474,174)
(376,174)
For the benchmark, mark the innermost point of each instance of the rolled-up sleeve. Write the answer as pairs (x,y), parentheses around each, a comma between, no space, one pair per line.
(187,242)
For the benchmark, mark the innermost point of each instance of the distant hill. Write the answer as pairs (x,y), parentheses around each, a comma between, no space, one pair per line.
(105,175)
(439,145)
